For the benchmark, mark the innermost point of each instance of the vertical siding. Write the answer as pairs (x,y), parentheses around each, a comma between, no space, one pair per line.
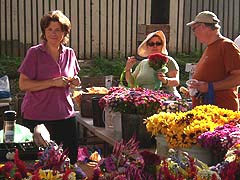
(182,40)
(108,27)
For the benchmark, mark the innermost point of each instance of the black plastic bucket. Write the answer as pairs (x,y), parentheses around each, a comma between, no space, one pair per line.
(97,113)
(132,124)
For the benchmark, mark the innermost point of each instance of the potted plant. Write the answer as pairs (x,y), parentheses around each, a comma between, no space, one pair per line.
(136,104)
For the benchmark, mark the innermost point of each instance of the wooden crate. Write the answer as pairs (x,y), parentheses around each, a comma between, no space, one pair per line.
(86,104)
(145,29)
(92,81)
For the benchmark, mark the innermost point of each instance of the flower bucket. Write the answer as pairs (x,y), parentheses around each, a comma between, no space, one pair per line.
(107,116)
(162,146)
(195,151)
(200,153)
(117,124)
(132,124)
(112,121)
(86,104)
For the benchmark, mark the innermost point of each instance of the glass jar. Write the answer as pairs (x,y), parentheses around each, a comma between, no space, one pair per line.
(9,121)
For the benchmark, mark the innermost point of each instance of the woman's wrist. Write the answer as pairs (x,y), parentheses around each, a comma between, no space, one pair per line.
(165,83)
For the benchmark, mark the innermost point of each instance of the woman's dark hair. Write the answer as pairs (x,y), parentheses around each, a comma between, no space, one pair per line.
(56,16)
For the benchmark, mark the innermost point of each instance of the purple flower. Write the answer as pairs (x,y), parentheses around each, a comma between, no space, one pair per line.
(110,165)
(138,101)
(221,139)
(83,154)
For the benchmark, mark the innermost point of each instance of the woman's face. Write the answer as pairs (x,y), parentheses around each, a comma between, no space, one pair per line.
(154,45)
(54,33)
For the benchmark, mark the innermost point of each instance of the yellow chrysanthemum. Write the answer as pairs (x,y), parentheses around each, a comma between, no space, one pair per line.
(49,175)
(182,129)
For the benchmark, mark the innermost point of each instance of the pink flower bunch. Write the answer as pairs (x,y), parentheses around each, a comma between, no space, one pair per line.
(221,139)
(230,167)
(135,100)
(52,163)
(127,162)
(53,157)
(16,170)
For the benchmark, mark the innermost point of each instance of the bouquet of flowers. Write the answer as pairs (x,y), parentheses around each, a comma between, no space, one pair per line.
(158,62)
(181,166)
(137,101)
(127,162)
(52,164)
(230,167)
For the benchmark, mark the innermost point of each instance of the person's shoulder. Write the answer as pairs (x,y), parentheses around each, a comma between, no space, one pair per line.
(66,48)
(170,58)
(142,63)
(35,49)
(227,43)
(237,38)
(225,39)
(144,60)
(172,62)
(237,41)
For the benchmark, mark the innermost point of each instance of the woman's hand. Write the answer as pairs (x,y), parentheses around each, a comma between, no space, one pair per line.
(27,84)
(200,86)
(130,63)
(75,81)
(61,81)
(162,77)
(184,91)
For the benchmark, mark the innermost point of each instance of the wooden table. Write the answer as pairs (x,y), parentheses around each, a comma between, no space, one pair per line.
(108,137)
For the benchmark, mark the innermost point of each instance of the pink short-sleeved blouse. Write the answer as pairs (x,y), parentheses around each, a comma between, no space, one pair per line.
(53,103)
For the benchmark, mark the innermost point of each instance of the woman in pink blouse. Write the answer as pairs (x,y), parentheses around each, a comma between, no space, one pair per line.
(46,75)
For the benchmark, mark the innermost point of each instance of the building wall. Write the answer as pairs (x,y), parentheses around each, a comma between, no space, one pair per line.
(110,27)
(183,11)
(99,27)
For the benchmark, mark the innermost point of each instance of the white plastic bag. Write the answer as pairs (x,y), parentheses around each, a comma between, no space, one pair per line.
(22,134)
(4,87)
(41,135)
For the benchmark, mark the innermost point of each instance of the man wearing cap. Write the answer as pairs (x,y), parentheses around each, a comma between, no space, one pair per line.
(218,70)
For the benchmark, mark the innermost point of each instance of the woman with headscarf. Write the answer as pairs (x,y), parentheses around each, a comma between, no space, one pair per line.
(144,75)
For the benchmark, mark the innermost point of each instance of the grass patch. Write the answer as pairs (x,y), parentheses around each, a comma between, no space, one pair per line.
(9,66)
(102,67)
(182,59)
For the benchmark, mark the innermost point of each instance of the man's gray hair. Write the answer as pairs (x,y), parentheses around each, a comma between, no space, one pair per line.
(213,26)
